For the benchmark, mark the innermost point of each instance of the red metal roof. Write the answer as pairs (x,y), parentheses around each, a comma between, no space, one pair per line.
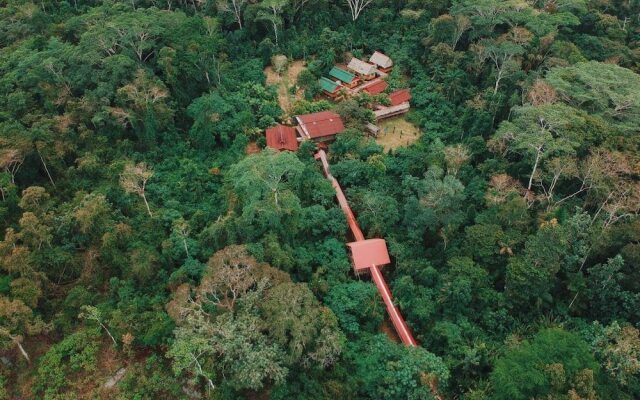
(399,97)
(366,253)
(376,86)
(320,124)
(281,137)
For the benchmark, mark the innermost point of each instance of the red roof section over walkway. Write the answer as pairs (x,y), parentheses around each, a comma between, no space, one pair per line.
(365,253)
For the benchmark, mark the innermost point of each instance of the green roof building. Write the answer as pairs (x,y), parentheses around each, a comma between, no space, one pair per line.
(342,75)
(328,85)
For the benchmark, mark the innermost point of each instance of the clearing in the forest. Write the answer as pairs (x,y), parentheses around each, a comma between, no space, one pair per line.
(284,82)
(396,132)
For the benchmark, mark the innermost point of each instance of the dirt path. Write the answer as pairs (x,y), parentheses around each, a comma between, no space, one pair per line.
(284,82)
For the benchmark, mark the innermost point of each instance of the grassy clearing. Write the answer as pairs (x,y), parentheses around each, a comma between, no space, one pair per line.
(397,132)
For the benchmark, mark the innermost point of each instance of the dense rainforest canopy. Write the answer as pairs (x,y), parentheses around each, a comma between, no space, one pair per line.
(145,254)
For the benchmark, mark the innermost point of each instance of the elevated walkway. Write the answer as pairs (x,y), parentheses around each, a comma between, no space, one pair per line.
(367,256)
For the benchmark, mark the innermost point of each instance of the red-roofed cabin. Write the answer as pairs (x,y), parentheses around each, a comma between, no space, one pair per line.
(281,137)
(320,126)
(365,253)
(374,87)
(399,97)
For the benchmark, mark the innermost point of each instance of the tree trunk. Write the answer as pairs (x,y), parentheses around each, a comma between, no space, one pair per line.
(186,248)
(573,300)
(498,79)
(109,333)
(44,164)
(146,204)
(275,30)
(535,167)
(236,11)
(22,350)
(201,372)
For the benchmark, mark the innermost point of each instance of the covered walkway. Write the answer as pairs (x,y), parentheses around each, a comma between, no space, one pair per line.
(368,255)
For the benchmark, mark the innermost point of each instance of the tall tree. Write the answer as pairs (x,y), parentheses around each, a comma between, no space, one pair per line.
(18,321)
(602,89)
(502,54)
(271,12)
(409,372)
(554,363)
(249,323)
(91,313)
(134,178)
(265,184)
(145,106)
(531,277)
(617,347)
(540,132)
(357,6)
(233,6)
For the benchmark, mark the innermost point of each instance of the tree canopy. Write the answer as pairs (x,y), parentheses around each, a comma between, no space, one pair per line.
(153,246)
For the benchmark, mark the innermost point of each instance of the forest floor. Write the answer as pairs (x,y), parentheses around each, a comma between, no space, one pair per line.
(387,328)
(397,132)
(285,82)
(252,148)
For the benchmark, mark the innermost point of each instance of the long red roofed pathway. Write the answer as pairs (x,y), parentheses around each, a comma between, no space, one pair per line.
(369,255)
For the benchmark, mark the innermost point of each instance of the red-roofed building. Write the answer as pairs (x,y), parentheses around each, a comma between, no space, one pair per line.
(399,97)
(374,87)
(322,125)
(281,137)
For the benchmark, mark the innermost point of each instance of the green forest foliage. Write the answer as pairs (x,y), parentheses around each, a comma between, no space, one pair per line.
(144,254)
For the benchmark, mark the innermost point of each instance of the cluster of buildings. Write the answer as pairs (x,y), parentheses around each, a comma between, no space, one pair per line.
(320,127)
(359,76)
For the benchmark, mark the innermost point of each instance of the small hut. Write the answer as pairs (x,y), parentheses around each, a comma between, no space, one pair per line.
(372,129)
(383,62)
(329,87)
(365,70)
